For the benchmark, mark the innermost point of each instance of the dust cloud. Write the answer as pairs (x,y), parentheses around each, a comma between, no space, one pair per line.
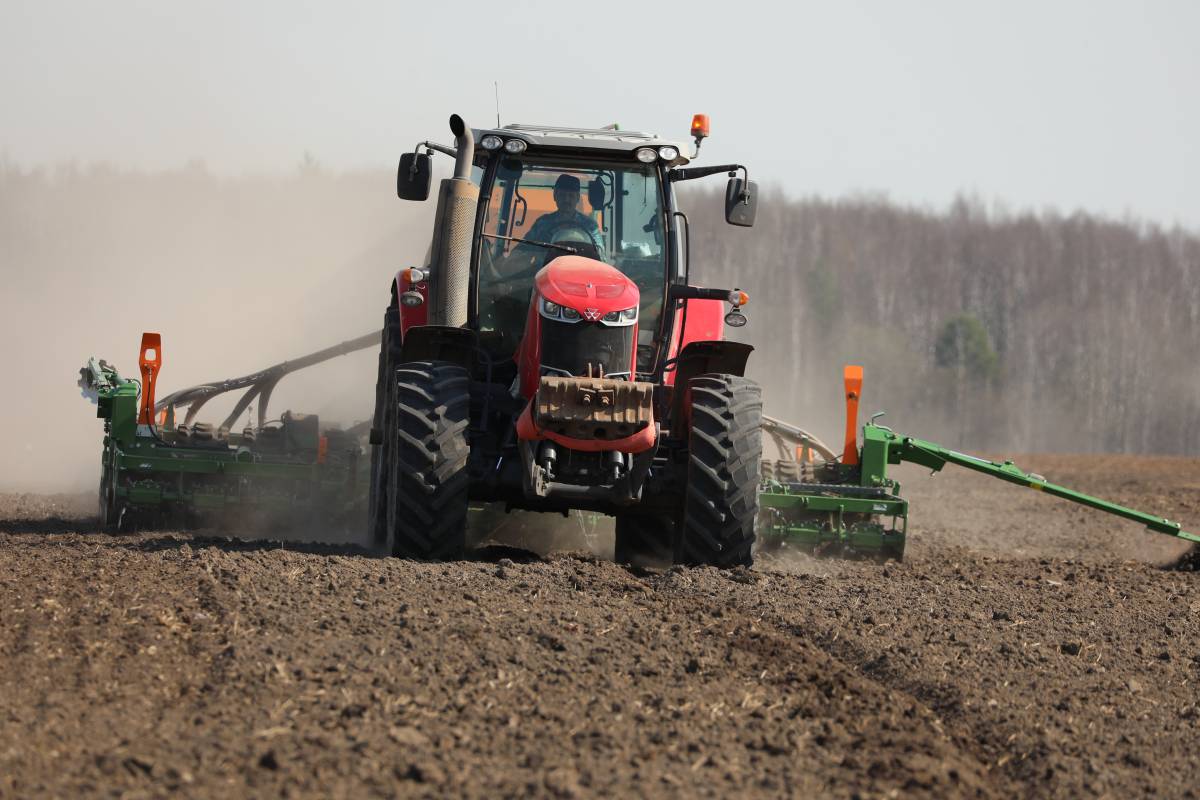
(236,273)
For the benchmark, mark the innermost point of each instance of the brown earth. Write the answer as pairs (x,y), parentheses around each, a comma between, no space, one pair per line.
(1025,648)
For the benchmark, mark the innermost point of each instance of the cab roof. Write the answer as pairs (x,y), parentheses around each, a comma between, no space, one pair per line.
(606,139)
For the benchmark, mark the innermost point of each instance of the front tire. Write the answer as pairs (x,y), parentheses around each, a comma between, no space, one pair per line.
(428,481)
(724,457)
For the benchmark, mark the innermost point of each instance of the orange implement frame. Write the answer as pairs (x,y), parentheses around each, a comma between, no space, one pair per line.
(853,378)
(149,362)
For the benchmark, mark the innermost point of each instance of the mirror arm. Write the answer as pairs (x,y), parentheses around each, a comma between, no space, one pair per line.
(691,173)
(429,148)
(441,148)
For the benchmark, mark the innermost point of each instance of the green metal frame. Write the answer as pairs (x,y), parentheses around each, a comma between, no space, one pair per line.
(827,519)
(146,478)
(881,445)
(844,517)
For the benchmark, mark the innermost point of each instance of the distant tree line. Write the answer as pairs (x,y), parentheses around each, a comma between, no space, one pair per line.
(1015,332)
(1018,332)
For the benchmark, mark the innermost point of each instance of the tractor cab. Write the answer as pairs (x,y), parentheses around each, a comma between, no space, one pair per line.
(551,355)
(605,194)
(536,208)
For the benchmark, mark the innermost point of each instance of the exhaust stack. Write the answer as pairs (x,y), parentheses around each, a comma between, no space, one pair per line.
(454,226)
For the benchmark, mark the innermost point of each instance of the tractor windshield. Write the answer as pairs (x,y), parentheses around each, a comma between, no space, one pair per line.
(537,208)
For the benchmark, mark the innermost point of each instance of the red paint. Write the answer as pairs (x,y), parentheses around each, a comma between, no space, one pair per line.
(529,352)
(411,316)
(705,323)
(591,287)
(639,442)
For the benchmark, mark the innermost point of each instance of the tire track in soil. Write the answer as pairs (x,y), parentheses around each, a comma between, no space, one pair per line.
(163,663)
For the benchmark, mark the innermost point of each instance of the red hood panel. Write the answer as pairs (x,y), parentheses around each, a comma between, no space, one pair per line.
(580,283)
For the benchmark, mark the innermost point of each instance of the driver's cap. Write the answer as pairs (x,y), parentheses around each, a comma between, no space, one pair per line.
(567,183)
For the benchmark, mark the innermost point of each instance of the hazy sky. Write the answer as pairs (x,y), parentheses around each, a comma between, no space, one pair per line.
(1064,104)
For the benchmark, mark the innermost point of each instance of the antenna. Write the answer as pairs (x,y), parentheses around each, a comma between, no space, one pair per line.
(496,85)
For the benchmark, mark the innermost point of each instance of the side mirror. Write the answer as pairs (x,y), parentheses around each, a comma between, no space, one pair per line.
(596,194)
(741,202)
(414,176)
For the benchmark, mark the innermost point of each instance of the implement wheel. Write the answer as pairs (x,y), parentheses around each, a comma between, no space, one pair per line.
(724,454)
(427,480)
(643,541)
(110,511)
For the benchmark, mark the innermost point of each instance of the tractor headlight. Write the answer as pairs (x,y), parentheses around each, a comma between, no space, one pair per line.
(646,155)
(735,319)
(551,309)
(515,146)
(668,153)
(569,313)
(624,316)
(490,142)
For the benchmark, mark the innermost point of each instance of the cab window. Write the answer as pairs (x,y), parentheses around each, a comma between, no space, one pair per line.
(537,209)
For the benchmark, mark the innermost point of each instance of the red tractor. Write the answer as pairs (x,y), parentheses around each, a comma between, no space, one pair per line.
(553,356)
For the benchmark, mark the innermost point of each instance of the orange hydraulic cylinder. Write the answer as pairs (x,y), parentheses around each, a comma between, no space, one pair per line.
(853,378)
(149,362)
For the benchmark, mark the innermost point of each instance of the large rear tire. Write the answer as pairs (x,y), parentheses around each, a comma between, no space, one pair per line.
(724,456)
(382,427)
(643,541)
(428,480)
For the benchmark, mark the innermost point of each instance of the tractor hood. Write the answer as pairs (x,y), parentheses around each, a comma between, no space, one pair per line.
(586,285)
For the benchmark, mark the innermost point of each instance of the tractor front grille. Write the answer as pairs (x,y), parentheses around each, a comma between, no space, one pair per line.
(571,347)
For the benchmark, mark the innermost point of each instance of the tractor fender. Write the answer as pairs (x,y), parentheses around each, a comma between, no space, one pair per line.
(440,343)
(410,316)
(701,358)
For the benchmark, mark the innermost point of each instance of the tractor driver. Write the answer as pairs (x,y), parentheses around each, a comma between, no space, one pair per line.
(559,225)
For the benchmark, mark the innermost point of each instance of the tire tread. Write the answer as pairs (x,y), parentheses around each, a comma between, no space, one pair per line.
(724,459)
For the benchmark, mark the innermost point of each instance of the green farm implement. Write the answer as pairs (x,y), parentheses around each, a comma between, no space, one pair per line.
(157,471)
(848,506)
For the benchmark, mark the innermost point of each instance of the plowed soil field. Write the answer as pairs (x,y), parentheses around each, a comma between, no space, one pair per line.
(1025,648)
